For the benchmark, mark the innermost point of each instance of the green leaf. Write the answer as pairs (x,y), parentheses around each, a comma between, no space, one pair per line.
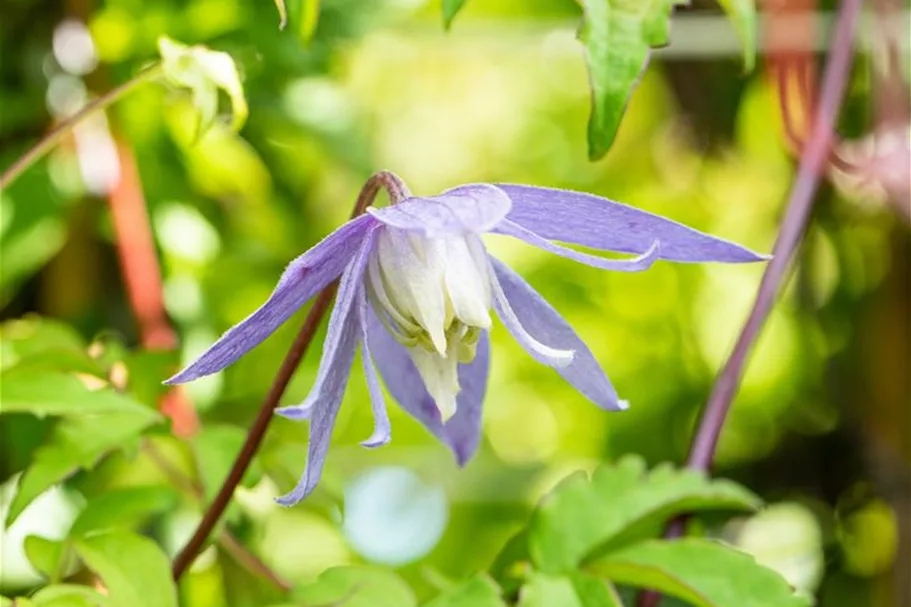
(53,393)
(121,508)
(216,447)
(620,504)
(575,590)
(357,587)
(618,36)
(479,591)
(77,443)
(702,572)
(451,8)
(133,568)
(45,555)
(743,15)
(70,595)
(309,19)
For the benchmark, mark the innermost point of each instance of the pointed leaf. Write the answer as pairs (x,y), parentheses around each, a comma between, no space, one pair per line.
(584,517)
(618,36)
(743,15)
(451,8)
(702,572)
(45,555)
(133,568)
(479,591)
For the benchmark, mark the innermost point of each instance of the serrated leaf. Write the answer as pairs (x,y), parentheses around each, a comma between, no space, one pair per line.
(620,504)
(574,590)
(743,15)
(44,555)
(618,36)
(70,595)
(479,591)
(123,507)
(133,568)
(357,587)
(76,443)
(44,393)
(702,572)
(451,8)
(309,19)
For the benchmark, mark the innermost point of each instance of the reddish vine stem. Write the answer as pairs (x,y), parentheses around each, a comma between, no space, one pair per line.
(397,191)
(813,158)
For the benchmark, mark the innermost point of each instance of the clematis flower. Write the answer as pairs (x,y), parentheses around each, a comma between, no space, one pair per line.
(416,293)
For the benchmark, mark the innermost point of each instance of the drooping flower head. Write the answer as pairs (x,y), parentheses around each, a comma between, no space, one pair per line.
(416,293)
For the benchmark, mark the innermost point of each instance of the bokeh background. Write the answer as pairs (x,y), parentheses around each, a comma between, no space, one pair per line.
(820,429)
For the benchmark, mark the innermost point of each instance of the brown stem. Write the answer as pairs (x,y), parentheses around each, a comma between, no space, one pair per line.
(800,202)
(397,191)
(48,142)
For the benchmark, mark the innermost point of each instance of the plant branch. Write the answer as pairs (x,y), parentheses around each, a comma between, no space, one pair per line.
(397,191)
(800,202)
(53,137)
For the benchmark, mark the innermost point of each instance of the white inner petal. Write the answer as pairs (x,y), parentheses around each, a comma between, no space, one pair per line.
(434,296)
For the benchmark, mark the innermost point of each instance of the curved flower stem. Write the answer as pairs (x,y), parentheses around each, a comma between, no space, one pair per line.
(397,190)
(813,158)
(52,138)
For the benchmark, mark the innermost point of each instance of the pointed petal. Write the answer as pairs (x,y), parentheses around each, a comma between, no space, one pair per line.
(304,277)
(343,312)
(462,432)
(544,323)
(325,398)
(476,209)
(382,429)
(323,415)
(592,221)
(541,352)
(635,264)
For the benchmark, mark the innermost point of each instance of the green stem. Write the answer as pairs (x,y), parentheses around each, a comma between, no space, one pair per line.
(47,143)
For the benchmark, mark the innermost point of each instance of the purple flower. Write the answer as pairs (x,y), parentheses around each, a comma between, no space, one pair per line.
(416,290)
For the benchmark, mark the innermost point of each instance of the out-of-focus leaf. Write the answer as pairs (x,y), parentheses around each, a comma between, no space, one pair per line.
(77,442)
(702,572)
(29,239)
(451,8)
(121,508)
(620,504)
(479,591)
(743,15)
(204,72)
(575,590)
(357,587)
(216,447)
(54,393)
(19,602)
(133,568)
(30,337)
(70,595)
(309,19)
(44,555)
(618,36)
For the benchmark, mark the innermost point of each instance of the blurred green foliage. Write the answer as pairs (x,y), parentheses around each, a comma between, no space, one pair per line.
(820,429)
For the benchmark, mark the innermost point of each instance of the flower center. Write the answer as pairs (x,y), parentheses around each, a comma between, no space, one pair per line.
(433,296)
